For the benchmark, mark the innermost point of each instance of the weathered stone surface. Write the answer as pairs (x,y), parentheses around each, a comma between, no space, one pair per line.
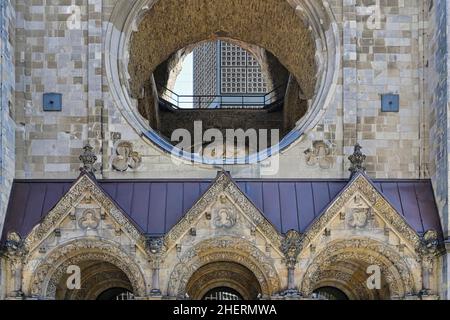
(288,39)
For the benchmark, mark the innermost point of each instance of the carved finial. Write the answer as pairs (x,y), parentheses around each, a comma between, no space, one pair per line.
(357,160)
(88,158)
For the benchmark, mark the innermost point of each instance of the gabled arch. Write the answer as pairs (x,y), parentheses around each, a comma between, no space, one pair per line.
(224,185)
(84,186)
(361,185)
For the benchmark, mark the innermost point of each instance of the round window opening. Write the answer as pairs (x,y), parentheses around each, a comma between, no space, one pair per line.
(222,82)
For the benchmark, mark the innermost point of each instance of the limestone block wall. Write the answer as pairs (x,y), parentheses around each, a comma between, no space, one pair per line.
(7,124)
(437,100)
(382,55)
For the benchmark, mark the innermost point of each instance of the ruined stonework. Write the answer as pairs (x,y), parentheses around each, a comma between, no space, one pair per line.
(100,55)
(371,61)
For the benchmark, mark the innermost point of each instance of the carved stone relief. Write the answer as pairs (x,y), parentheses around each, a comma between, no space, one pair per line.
(395,269)
(224,249)
(89,220)
(126,158)
(320,155)
(49,273)
(358,213)
(84,186)
(225,215)
(224,196)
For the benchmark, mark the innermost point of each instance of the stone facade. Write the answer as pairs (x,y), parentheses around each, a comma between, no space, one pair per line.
(7,102)
(387,59)
(397,46)
(86,228)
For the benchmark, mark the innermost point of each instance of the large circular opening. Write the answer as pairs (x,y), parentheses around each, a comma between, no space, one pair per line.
(293,41)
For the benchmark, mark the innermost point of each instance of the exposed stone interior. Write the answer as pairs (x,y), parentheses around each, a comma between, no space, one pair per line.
(172,25)
(161,53)
(282,116)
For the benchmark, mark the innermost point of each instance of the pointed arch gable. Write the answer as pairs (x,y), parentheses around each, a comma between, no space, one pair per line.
(361,184)
(224,184)
(84,185)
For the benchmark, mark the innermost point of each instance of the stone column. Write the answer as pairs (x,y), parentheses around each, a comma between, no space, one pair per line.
(429,253)
(156,291)
(16,271)
(156,248)
(290,247)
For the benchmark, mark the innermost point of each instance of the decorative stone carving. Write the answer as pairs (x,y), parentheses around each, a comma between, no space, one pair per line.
(49,273)
(378,204)
(428,255)
(14,243)
(357,160)
(85,185)
(290,246)
(126,157)
(155,245)
(396,271)
(223,184)
(358,214)
(224,249)
(430,241)
(90,220)
(225,216)
(319,155)
(88,158)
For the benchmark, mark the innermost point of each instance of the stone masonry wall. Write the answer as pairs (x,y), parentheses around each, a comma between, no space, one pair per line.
(7,124)
(437,99)
(377,59)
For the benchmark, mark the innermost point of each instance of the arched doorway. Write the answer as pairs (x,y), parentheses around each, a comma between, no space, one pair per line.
(99,280)
(115,294)
(329,293)
(361,269)
(223,281)
(222,293)
(84,269)
(349,279)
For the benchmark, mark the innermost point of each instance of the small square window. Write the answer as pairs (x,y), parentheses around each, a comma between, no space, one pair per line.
(390,102)
(52,102)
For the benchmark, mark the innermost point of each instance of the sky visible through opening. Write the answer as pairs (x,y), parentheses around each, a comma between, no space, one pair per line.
(184,84)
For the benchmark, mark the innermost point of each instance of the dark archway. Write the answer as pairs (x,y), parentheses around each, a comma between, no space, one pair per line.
(99,281)
(114,294)
(222,293)
(223,278)
(329,293)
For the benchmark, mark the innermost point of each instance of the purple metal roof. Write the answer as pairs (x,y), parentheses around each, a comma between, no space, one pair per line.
(155,206)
